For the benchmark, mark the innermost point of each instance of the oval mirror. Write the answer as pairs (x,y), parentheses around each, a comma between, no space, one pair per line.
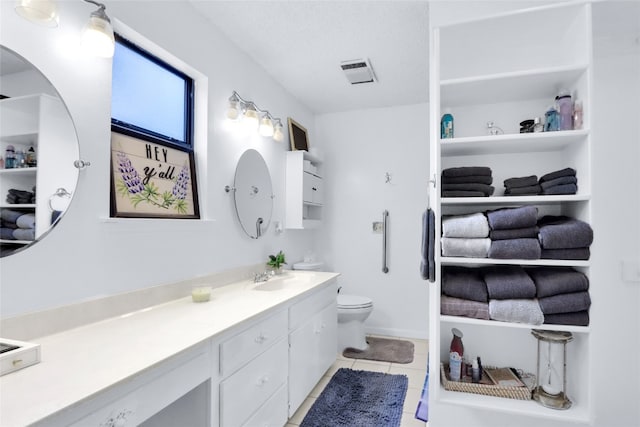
(253,194)
(38,145)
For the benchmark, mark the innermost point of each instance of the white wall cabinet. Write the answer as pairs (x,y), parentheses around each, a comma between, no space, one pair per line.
(304,190)
(312,342)
(506,69)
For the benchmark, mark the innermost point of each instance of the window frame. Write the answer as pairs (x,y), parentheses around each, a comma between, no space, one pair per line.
(189,102)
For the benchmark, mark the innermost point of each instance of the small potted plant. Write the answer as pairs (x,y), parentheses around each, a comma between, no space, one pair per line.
(276,262)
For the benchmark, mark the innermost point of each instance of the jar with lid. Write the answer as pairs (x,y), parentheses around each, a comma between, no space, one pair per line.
(10,157)
(565,110)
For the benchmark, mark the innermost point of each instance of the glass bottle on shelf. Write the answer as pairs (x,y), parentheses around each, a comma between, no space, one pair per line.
(565,110)
(551,119)
(577,115)
(456,352)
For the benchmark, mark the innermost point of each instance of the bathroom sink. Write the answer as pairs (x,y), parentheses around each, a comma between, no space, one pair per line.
(278,283)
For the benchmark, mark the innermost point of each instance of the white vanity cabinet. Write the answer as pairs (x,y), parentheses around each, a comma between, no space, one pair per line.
(304,190)
(253,367)
(313,328)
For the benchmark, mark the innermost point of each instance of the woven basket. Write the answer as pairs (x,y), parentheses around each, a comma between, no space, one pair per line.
(521,393)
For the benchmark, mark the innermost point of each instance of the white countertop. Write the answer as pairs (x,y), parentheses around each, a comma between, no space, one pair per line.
(81,362)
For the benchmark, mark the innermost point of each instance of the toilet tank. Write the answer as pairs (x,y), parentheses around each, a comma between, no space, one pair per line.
(309,266)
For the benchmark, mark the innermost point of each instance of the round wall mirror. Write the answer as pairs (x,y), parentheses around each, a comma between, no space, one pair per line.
(253,194)
(38,145)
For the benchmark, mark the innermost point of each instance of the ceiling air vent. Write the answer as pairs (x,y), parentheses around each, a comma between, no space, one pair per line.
(358,71)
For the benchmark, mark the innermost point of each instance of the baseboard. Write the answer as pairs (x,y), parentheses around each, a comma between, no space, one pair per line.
(398,333)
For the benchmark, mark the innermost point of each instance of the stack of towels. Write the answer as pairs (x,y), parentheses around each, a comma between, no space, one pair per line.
(562,294)
(551,295)
(16,197)
(563,181)
(562,237)
(522,186)
(467,181)
(465,236)
(16,225)
(514,233)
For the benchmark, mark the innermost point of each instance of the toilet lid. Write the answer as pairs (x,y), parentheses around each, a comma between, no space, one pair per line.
(353,301)
(314,266)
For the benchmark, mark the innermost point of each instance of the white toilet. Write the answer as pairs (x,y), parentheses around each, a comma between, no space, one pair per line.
(353,310)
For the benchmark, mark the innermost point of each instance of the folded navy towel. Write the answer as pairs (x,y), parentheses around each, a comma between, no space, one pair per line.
(560,189)
(467,171)
(7,233)
(10,215)
(554,281)
(524,181)
(516,311)
(523,216)
(484,188)
(477,179)
(569,253)
(427,262)
(558,174)
(562,232)
(577,318)
(559,181)
(532,190)
(514,249)
(8,224)
(565,303)
(461,307)
(508,282)
(514,233)
(465,283)
(462,193)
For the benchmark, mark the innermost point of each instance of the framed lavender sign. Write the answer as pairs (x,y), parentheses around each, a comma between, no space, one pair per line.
(150,180)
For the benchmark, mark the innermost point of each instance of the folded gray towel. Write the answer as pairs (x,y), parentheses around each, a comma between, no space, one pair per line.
(565,303)
(522,216)
(558,174)
(470,248)
(476,179)
(508,282)
(514,233)
(560,189)
(467,171)
(559,181)
(557,280)
(569,253)
(24,234)
(427,263)
(561,232)
(532,190)
(524,181)
(28,221)
(578,318)
(7,233)
(462,193)
(460,307)
(469,226)
(465,283)
(516,311)
(515,249)
(10,215)
(484,188)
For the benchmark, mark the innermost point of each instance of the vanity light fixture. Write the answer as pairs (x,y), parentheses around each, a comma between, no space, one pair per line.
(97,36)
(42,12)
(254,117)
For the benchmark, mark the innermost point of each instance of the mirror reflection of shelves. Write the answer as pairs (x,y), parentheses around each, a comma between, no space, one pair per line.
(304,190)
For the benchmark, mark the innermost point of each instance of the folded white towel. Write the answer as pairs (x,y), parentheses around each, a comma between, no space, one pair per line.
(468,226)
(516,311)
(469,248)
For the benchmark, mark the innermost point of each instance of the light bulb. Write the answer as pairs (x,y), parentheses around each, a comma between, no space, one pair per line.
(42,12)
(266,126)
(235,109)
(97,37)
(251,119)
(278,135)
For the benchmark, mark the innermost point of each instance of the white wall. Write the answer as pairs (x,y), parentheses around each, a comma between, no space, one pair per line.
(85,256)
(360,147)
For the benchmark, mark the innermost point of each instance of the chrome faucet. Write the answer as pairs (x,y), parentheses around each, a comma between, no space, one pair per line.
(261,277)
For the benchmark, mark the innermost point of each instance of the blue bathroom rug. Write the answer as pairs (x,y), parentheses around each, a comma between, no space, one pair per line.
(359,399)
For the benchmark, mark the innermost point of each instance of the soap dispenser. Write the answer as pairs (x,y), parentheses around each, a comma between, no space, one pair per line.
(446,125)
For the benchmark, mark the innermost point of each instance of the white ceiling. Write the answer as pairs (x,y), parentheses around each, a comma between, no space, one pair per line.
(302,43)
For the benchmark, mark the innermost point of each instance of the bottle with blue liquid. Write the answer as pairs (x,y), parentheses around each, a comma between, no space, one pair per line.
(446,125)
(551,119)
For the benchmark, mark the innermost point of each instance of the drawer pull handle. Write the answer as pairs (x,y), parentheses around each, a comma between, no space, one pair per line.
(16,362)
(262,381)
(314,188)
(261,338)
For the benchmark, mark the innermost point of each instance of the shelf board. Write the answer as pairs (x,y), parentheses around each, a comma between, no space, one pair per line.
(23,138)
(577,412)
(16,242)
(494,323)
(507,87)
(532,262)
(519,200)
(512,143)
(19,171)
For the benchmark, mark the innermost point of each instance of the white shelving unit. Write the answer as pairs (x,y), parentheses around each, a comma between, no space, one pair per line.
(304,190)
(506,69)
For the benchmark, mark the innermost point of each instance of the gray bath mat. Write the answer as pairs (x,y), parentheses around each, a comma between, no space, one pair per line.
(383,350)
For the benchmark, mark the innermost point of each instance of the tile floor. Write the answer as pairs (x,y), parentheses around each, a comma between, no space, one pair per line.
(415,372)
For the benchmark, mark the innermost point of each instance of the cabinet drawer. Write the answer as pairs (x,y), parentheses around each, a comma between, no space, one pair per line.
(247,344)
(273,413)
(311,189)
(246,390)
(300,312)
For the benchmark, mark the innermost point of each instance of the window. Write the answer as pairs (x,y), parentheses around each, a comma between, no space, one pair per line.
(150,99)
